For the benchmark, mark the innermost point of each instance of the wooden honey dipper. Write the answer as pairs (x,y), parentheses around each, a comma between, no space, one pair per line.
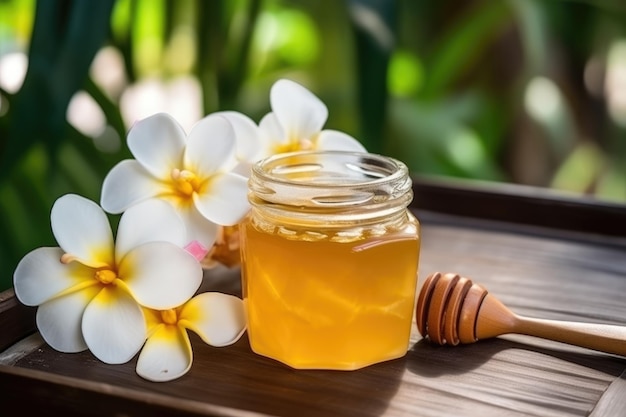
(451,309)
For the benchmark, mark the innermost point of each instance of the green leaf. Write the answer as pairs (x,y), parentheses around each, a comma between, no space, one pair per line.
(462,45)
(66,37)
(374,26)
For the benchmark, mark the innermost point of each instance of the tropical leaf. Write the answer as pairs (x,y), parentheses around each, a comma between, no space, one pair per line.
(374,25)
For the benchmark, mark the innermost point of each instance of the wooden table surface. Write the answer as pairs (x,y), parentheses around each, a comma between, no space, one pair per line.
(570,272)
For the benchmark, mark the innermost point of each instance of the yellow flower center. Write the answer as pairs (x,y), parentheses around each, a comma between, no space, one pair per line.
(185,182)
(169,316)
(294,145)
(106,276)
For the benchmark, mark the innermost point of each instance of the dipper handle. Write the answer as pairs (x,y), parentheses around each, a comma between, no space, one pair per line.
(495,319)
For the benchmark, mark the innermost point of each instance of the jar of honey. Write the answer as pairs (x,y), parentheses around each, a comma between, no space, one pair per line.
(329,259)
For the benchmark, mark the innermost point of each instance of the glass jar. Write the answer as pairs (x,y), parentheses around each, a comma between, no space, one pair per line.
(329,259)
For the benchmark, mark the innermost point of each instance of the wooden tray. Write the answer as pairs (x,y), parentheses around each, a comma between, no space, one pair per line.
(543,255)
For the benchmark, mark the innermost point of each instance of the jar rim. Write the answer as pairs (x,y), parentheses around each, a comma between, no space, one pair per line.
(330,182)
(368,169)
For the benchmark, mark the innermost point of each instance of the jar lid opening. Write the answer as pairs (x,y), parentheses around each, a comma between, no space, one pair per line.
(322,180)
(330,168)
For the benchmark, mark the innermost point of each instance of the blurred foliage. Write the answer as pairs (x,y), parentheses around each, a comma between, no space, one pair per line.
(523,91)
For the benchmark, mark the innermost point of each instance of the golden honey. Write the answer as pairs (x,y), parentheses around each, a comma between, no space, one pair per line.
(329,260)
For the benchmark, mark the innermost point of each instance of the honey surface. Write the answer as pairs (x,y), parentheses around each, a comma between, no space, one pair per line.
(329,301)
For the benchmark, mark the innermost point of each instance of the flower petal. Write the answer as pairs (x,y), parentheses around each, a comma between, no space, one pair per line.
(210,147)
(243,168)
(271,134)
(126,184)
(300,112)
(59,320)
(198,227)
(333,140)
(226,201)
(157,143)
(246,135)
(113,326)
(82,230)
(160,275)
(167,355)
(219,319)
(153,320)
(149,221)
(41,275)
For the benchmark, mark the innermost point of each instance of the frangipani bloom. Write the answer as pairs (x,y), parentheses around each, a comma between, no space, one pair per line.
(90,290)
(217,318)
(296,122)
(193,173)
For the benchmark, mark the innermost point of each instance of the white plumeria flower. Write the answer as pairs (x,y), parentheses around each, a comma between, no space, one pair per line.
(219,319)
(296,121)
(90,290)
(193,173)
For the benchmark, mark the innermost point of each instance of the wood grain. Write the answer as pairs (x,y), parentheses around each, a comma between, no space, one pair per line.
(16,320)
(538,273)
(613,402)
(520,204)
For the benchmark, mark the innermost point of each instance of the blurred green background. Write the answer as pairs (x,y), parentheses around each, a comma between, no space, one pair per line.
(520,91)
